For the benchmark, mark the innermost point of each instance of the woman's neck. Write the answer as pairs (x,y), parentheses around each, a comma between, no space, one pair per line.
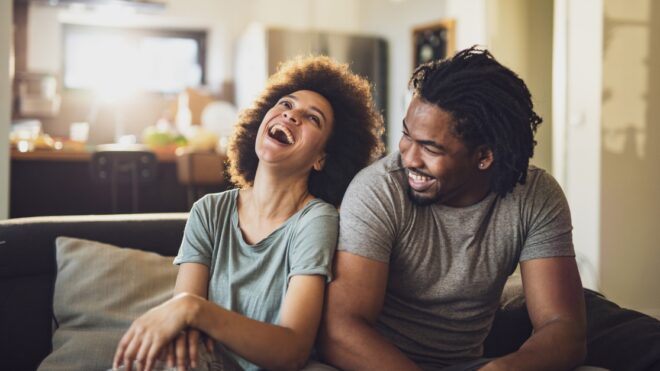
(275,197)
(269,203)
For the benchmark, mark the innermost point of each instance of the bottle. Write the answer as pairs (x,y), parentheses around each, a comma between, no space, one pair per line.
(183,115)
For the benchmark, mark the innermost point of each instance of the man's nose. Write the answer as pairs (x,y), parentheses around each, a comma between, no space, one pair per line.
(412,156)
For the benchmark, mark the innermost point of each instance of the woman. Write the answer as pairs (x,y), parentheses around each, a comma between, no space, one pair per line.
(262,253)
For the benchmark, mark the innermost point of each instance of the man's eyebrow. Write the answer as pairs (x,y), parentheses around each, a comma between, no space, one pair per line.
(429,143)
(313,108)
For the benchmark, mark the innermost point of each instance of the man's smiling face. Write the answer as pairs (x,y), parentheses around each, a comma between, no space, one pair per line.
(440,167)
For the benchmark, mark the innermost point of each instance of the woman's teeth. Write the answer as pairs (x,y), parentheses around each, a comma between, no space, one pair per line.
(287,138)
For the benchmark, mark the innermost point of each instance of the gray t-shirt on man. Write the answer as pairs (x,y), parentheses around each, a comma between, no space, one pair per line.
(252,280)
(448,266)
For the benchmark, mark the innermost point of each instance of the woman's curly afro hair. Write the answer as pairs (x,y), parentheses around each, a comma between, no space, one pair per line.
(355,140)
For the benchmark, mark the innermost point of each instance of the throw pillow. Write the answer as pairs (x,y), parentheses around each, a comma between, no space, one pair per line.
(99,290)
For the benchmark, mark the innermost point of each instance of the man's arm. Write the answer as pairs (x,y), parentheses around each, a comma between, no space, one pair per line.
(353,302)
(555,302)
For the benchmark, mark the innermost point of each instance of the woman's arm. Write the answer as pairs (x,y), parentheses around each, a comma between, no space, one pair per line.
(192,278)
(283,346)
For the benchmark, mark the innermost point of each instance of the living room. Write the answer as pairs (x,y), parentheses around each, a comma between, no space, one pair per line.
(593,68)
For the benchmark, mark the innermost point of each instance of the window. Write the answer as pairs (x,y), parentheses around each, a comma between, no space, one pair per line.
(112,60)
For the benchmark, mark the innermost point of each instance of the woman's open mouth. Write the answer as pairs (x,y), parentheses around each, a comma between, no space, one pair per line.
(281,134)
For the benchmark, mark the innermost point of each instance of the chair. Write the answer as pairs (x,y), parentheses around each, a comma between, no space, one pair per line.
(199,171)
(124,167)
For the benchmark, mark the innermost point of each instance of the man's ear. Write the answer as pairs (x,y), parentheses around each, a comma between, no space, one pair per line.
(484,156)
(318,165)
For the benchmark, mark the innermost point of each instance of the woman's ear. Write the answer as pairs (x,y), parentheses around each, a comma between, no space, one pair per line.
(318,165)
(484,157)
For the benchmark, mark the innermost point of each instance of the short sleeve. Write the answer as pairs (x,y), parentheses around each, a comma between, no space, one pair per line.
(197,243)
(314,242)
(367,225)
(549,230)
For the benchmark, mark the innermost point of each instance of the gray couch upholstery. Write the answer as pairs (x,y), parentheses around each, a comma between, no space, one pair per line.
(618,339)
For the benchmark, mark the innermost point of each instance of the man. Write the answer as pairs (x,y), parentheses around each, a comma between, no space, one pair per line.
(429,235)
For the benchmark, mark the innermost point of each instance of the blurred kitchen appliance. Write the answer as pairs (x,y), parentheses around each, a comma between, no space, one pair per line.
(261,49)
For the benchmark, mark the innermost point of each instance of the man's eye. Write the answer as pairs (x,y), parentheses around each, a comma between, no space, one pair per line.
(433,151)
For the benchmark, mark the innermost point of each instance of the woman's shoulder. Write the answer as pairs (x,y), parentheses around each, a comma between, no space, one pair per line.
(212,203)
(317,207)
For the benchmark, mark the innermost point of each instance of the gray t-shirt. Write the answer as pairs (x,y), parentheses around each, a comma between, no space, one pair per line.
(252,279)
(448,266)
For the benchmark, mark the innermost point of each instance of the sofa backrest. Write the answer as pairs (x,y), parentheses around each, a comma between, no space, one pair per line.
(27,270)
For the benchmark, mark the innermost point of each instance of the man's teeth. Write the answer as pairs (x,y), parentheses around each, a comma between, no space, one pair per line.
(418,177)
(278,127)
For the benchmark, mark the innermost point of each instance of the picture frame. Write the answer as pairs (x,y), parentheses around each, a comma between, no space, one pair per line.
(436,40)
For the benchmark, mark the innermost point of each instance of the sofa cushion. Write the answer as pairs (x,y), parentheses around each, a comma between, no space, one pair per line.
(99,290)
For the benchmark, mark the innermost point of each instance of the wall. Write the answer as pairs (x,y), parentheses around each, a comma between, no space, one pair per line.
(5,99)
(45,55)
(577,62)
(395,21)
(630,176)
(520,37)
(335,15)
(224,20)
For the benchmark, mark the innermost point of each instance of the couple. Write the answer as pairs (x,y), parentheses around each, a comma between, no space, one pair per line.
(427,236)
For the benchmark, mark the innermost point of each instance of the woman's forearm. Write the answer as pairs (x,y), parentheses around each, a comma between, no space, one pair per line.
(267,345)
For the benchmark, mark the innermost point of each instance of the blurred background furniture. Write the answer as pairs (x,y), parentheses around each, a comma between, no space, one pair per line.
(124,168)
(200,172)
(59,183)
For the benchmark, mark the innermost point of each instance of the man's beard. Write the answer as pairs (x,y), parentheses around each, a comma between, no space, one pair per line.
(421,200)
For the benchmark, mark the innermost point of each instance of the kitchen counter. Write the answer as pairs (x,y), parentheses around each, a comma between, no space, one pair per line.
(54,155)
(49,182)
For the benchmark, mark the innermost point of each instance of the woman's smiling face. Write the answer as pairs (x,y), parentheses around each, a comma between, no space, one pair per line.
(295,131)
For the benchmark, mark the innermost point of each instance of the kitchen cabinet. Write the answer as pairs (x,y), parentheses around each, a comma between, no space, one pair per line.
(60,183)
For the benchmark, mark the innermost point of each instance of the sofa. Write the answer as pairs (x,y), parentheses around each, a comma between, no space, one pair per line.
(35,306)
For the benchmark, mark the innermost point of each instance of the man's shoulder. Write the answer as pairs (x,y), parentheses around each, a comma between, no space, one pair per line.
(382,182)
(388,168)
(537,183)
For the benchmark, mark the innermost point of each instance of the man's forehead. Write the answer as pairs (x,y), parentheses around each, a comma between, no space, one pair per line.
(429,115)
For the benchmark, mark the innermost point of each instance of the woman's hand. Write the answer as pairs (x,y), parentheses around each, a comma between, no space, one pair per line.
(183,351)
(148,334)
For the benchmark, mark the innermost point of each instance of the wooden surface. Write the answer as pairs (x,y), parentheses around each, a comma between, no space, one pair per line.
(84,156)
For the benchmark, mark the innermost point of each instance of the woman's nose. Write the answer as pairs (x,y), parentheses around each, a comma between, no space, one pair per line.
(292,116)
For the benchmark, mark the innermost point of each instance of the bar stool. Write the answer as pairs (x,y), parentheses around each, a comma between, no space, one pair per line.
(124,167)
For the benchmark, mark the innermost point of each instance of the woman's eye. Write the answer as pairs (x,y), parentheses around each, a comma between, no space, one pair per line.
(286,103)
(316,120)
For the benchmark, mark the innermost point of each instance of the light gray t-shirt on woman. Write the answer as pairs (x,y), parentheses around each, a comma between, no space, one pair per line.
(448,266)
(252,279)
